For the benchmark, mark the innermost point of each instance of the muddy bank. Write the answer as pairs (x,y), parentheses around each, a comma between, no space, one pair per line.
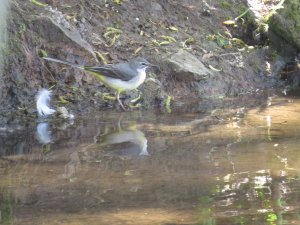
(175,36)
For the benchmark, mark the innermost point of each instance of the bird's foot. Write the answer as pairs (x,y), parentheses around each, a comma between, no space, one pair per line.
(135,106)
(109,97)
(136,100)
(121,104)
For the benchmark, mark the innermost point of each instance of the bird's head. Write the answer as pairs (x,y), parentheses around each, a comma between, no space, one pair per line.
(139,63)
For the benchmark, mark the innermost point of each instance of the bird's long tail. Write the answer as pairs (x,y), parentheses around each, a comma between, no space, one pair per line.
(64,62)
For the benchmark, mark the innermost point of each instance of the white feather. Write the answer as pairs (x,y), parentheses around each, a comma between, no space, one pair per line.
(42,103)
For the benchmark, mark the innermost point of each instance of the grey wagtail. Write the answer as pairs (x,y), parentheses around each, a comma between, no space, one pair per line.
(121,77)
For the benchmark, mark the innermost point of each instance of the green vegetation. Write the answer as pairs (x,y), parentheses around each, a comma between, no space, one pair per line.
(266,18)
(272,218)
(37,3)
(112,34)
(225,5)
(168,104)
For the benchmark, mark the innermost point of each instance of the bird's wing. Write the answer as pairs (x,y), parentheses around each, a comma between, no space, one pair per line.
(120,71)
(117,71)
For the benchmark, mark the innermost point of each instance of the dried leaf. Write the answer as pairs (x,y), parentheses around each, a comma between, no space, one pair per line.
(138,50)
(37,3)
(168,38)
(101,57)
(62,100)
(229,22)
(172,28)
(164,43)
(214,69)
(168,104)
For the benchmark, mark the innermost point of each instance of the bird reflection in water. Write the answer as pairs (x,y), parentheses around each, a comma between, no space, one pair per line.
(125,142)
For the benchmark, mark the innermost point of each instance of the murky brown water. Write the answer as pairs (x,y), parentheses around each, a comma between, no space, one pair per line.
(141,168)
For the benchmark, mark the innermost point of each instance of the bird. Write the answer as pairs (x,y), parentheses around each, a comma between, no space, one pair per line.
(132,142)
(121,77)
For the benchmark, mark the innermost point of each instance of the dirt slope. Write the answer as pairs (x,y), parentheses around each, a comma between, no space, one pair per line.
(154,29)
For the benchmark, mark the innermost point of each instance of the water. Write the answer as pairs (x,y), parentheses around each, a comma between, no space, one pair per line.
(144,168)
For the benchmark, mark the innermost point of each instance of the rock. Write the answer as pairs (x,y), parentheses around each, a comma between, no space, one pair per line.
(58,19)
(186,67)
(286,22)
(156,7)
(64,114)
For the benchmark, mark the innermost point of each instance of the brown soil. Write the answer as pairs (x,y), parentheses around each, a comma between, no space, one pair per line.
(31,29)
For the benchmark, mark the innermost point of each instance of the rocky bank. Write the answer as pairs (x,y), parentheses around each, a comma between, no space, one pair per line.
(198,58)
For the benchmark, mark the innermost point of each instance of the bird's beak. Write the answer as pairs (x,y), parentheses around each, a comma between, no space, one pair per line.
(150,64)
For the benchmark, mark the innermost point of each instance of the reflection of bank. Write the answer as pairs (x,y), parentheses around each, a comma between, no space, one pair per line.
(125,142)
(44,131)
(15,141)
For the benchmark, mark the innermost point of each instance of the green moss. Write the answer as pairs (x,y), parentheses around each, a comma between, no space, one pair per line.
(225,5)
(22,28)
(287,25)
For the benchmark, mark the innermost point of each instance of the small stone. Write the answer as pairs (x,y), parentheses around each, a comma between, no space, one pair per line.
(186,67)
(63,113)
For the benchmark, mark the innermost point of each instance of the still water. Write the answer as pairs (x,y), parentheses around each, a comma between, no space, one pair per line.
(144,168)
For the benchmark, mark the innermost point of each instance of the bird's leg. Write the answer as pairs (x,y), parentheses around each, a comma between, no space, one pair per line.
(118,98)
(119,123)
